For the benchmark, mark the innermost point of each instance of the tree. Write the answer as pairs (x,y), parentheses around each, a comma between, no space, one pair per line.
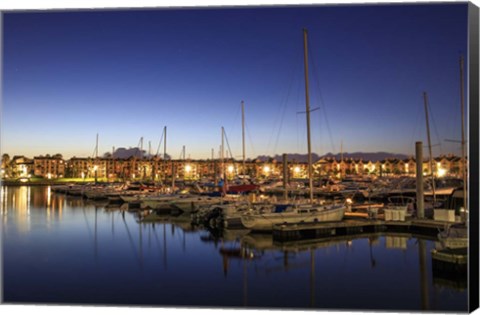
(5,160)
(6,165)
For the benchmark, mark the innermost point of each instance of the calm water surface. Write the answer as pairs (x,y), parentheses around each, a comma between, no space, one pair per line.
(64,250)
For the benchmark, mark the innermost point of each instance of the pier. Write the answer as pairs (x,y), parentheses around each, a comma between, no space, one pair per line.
(356,226)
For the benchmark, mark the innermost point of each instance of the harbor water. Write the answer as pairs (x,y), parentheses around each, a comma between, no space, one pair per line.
(61,249)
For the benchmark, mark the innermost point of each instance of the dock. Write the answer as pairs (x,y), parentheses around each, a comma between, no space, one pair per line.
(355,225)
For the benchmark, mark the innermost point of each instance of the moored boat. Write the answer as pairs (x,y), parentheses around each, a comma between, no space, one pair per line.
(299,213)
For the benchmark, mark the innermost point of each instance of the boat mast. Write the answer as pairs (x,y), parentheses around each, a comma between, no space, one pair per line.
(425,101)
(243,138)
(462,104)
(96,148)
(341,159)
(164,152)
(165,143)
(222,157)
(307,106)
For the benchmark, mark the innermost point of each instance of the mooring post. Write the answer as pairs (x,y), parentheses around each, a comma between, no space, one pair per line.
(419,163)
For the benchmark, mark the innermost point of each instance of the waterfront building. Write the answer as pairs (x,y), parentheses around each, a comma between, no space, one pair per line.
(49,166)
(158,169)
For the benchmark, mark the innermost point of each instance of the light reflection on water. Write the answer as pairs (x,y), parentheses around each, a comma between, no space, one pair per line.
(60,249)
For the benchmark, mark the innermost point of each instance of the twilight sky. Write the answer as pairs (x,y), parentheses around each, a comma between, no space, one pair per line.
(127,74)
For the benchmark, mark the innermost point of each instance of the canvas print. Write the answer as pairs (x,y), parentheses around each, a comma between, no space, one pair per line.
(279,157)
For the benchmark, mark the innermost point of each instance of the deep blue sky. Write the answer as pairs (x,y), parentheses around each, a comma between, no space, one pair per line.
(126,74)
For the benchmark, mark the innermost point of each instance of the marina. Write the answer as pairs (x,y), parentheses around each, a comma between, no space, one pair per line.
(299,157)
(113,258)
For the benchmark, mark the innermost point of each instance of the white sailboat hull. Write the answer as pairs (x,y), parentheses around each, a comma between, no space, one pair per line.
(266,221)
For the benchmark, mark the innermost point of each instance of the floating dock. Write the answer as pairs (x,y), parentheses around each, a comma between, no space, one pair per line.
(356,226)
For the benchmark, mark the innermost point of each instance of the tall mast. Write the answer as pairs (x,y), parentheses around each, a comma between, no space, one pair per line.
(243,137)
(462,104)
(425,99)
(164,162)
(307,106)
(341,159)
(96,148)
(222,152)
(165,143)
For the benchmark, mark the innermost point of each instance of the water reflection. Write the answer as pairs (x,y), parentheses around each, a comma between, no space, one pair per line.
(16,206)
(93,253)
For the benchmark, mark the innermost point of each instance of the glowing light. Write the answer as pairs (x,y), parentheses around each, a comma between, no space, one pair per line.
(49,176)
(296,169)
(349,201)
(83,175)
(230,168)
(441,172)
(49,194)
(266,169)
(188,168)
(95,168)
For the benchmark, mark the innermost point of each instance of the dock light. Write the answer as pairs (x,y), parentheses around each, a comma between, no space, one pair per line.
(230,168)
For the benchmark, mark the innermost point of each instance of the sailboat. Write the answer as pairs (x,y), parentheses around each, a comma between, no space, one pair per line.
(456,235)
(299,212)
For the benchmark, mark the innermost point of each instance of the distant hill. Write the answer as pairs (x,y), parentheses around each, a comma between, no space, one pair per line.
(369,156)
(366,156)
(123,153)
